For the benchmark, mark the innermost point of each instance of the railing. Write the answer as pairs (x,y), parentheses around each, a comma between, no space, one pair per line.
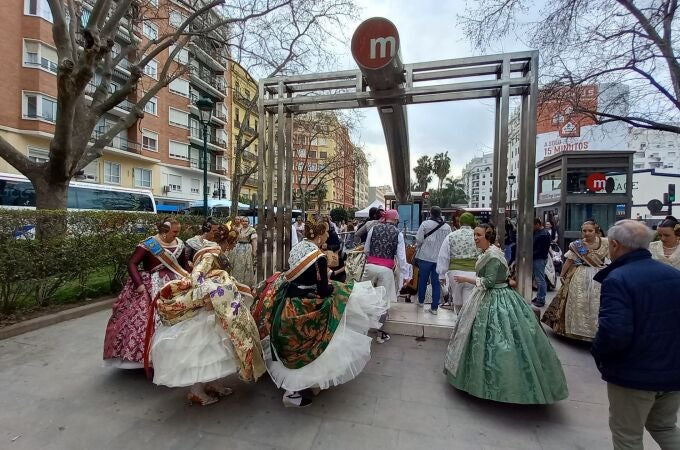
(197,132)
(91,88)
(48,117)
(118,142)
(213,53)
(208,77)
(197,163)
(32,60)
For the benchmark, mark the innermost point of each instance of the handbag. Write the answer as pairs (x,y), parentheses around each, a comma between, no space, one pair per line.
(333,259)
(355,264)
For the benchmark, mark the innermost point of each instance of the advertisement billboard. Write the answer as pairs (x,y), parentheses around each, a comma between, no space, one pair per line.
(561,129)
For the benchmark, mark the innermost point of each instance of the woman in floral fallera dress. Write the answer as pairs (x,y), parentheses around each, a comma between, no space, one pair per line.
(163,259)
(206,331)
(314,330)
(498,350)
(243,255)
(574,311)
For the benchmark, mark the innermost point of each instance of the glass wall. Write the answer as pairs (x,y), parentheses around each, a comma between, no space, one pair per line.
(604,214)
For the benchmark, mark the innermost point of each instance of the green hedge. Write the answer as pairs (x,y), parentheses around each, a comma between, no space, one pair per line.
(33,270)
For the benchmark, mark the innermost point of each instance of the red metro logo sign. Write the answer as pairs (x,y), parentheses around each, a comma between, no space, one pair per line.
(375,43)
(596,182)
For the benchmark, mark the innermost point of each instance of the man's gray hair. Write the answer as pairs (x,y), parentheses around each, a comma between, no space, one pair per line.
(632,234)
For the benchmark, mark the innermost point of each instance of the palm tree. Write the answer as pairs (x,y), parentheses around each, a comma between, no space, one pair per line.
(423,171)
(441,166)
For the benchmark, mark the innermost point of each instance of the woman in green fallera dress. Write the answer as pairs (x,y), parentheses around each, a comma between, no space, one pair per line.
(498,350)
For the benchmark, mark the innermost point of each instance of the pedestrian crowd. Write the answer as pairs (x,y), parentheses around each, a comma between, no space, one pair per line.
(190,313)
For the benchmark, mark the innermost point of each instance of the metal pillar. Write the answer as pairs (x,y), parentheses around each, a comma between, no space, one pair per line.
(280,164)
(261,153)
(500,155)
(527,183)
(205,171)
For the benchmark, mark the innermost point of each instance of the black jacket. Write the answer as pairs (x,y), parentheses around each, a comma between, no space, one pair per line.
(541,244)
(638,340)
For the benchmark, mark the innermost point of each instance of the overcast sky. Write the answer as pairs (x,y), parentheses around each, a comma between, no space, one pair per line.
(428,30)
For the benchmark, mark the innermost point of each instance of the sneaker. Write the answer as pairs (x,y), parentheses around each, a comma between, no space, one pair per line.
(433,311)
(538,303)
(420,305)
(292,399)
(382,338)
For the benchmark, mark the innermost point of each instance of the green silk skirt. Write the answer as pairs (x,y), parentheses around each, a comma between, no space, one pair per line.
(508,357)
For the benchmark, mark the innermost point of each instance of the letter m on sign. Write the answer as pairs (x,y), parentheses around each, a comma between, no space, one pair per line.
(382,42)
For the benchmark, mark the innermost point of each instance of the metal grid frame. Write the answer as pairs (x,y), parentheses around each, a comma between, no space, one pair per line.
(495,76)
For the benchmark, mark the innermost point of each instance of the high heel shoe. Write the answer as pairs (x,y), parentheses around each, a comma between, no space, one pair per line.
(218,390)
(196,399)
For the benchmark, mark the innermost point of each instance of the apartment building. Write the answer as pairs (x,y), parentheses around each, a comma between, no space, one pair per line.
(478,181)
(378,193)
(243,91)
(655,149)
(323,154)
(160,152)
(361,183)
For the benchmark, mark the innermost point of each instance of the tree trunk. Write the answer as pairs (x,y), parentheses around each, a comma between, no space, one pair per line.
(51,196)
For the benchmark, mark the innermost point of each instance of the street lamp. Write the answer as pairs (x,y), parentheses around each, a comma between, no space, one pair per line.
(205,107)
(511,182)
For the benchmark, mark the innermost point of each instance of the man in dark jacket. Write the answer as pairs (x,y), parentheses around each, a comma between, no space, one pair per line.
(637,346)
(541,250)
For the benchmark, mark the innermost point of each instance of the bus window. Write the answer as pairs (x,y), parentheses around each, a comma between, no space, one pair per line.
(17,193)
(113,201)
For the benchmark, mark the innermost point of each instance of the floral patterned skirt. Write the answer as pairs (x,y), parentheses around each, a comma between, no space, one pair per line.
(125,332)
(324,342)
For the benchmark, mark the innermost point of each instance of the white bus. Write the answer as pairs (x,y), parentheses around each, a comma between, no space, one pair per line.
(16,192)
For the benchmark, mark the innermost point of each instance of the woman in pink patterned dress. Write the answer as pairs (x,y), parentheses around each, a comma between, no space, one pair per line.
(163,259)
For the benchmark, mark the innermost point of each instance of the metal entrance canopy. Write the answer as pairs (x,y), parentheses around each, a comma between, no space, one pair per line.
(496,76)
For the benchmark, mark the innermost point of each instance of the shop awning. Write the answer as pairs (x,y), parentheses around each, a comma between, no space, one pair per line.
(543,205)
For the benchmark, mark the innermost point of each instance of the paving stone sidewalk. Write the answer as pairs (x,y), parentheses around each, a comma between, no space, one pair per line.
(55,394)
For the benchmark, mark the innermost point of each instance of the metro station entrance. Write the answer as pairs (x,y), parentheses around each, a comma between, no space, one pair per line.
(383,81)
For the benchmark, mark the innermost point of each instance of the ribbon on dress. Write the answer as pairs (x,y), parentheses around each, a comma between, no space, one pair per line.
(165,257)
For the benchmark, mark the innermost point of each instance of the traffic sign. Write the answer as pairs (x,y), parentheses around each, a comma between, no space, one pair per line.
(426,195)
(375,43)
(596,182)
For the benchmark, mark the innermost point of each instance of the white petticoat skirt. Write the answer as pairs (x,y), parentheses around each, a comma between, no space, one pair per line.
(348,351)
(193,351)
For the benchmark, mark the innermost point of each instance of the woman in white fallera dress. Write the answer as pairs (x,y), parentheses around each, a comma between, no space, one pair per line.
(206,331)
(667,248)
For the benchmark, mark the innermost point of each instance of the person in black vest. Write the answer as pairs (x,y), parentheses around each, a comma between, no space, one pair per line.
(385,250)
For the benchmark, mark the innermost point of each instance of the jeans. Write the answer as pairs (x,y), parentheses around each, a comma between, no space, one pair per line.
(633,410)
(539,276)
(428,270)
(507,251)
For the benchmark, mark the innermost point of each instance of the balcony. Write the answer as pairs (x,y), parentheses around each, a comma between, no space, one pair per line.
(32,60)
(245,101)
(118,142)
(121,109)
(197,163)
(209,79)
(197,134)
(214,56)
